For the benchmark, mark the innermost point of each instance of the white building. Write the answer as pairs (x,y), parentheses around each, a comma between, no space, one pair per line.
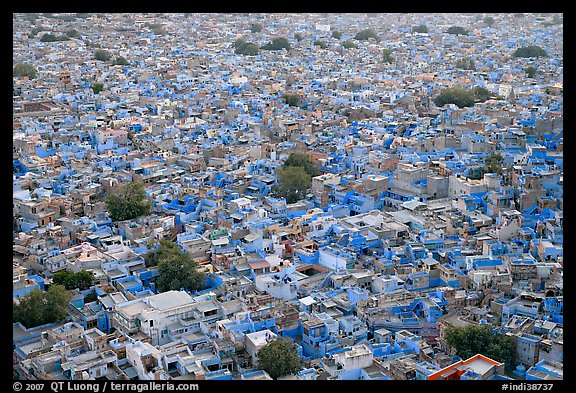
(255,341)
(152,315)
(145,358)
(332,259)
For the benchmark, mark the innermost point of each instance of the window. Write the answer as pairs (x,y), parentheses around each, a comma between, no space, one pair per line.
(151,323)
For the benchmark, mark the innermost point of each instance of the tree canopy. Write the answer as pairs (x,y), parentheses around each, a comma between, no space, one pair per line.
(23,69)
(70,280)
(457,30)
(489,21)
(256,27)
(128,202)
(156,28)
(493,163)
(242,47)
(72,33)
(102,55)
(366,34)
(31,17)
(420,29)
(530,71)
(293,182)
(462,97)
(277,43)
(336,34)
(292,99)
(164,249)
(47,37)
(176,269)
(302,160)
(42,307)
(120,60)
(295,177)
(387,56)
(465,63)
(97,87)
(279,357)
(530,51)
(349,44)
(471,340)
(321,44)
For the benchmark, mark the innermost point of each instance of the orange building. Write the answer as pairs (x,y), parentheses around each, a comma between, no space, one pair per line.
(476,367)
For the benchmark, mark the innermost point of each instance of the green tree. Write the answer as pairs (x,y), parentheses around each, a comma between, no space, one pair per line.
(481,94)
(102,55)
(29,310)
(420,29)
(336,34)
(387,56)
(455,95)
(35,31)
(42,307)
(245,48)
(256,27)
(56,304)
(23,69)
(179,270)
(348,44)
(120,60)
(70,280)
(298,37)
(465,63)
(462,97)
(321,44)
(47,37)
(292,99)
(90,297)
(489,21)
(238,42)
(475,172)
(128,202)
(277,44)
(472,339)
(366,34)
(156,28)
(72,33)
(65,277)
(302,160)
(279,357)
(293,182)
(530,51)
(84,280)
(457,30)
(164,249)
(82,15)
(31,17)
(493,163)
(97,87)
(530,71)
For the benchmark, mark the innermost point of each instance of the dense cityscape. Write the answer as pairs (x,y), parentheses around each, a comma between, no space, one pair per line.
(287,196)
